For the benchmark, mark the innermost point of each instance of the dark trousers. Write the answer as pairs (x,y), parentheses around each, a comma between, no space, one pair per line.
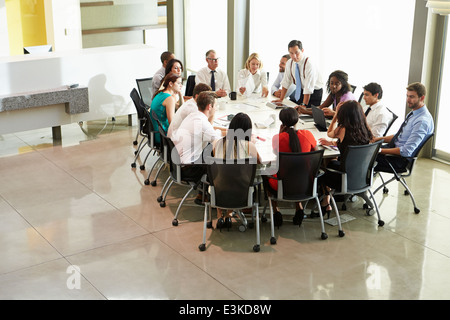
(398,163)
(315,98)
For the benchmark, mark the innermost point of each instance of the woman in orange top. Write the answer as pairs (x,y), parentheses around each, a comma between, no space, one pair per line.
(290,140)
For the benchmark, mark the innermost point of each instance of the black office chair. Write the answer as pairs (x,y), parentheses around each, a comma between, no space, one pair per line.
(297,181)
(155,148)
(357,177)
(142,130)
(394,117)
(145,90)
(401,174)
(232,187)
(176,172)
(190,84)
(353,88)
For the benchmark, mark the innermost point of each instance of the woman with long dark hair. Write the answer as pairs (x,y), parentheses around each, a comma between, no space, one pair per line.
(164,101)
(289,140)
(348,127)
(237,144)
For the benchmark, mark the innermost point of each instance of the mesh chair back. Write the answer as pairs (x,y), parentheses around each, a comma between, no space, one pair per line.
(150,131)
(394,117)
(359,163)
(190,84)
(415,154)
(298,172)
(134,95)
(145,90)
(231,181)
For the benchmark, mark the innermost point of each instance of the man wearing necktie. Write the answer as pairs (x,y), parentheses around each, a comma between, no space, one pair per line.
(377,115)
(301,72)
(416,127)
(214,76)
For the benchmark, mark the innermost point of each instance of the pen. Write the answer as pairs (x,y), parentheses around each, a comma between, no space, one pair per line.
(262,139)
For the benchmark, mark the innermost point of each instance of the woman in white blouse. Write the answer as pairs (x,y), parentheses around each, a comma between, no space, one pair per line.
(252,79)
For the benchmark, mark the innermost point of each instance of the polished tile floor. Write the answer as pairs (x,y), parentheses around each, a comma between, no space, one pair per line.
(80,206)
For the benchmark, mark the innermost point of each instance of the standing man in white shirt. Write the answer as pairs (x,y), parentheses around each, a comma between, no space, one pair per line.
(301,71)
(213,75)
(276,86)
(378,116)
(166,56)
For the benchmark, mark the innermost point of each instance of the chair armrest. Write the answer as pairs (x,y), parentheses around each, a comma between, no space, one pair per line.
(336,171)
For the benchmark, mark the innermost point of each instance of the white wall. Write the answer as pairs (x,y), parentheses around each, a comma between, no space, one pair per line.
(63,24)
(110,73)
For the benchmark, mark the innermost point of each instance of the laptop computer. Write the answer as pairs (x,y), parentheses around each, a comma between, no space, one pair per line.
(319,119)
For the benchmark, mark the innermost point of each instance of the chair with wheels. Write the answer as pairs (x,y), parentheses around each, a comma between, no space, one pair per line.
(155,148)
(176,173)
(295,185)
(401,174)
(231,186)
(142,130)
(145,90)
(357,177)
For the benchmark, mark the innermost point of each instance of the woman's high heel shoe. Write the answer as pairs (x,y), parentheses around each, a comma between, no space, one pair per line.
(298,217)
(324,210)
(220,224)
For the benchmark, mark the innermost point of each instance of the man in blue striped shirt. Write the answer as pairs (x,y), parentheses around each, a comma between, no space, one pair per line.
(417,126)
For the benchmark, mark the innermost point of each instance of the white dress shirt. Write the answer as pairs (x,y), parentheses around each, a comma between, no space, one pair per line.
(182,112)
(309,75)
(220,77)
(253,83)
(194,134)
(157,79)
(378,119)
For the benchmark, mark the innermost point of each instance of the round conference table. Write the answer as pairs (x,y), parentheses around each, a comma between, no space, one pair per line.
(265,123)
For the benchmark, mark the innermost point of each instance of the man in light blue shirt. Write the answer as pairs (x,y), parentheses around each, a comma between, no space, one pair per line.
(417,126)
(276,86)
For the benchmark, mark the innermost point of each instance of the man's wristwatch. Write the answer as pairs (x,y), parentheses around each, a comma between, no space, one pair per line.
(302,104)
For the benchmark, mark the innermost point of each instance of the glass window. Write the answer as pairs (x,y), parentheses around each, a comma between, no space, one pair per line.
(369,41)
(205,29)
(442,142)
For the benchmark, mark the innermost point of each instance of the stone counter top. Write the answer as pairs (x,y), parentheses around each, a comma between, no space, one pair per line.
(76,100)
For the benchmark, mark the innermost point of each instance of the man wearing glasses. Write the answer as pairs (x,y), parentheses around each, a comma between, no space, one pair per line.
(213,76)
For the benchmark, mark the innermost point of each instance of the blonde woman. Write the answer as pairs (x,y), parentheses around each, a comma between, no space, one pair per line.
(252,79)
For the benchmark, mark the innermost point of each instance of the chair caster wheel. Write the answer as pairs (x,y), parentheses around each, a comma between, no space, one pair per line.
(416,210)
(202,247)
(242,228)
(135,143)
(385,190)
(153,183)
(365,206)
(256,248)
(175,222)
(135,153)
(133,165)
(209,225)
(142,167)
(146,182)
(341,233)
(159,199)
(162,204)
(370,212)
(324,236)
(381,223)
(273,240)
(406,193)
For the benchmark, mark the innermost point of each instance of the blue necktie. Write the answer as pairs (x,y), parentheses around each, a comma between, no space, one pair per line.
(213,81)
(298,83)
